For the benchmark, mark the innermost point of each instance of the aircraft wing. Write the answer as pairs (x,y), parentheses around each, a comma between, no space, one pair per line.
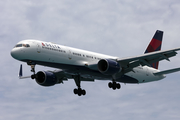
(146,59)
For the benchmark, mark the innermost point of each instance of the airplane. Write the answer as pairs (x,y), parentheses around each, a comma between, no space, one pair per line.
(82,65)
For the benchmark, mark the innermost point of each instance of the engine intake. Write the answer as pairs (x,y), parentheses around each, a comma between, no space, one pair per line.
(108,67)
(46,78)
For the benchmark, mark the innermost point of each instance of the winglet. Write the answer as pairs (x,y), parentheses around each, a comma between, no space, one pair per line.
(155,45)
(20,72)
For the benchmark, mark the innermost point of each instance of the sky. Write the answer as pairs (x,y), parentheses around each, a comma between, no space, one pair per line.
(120,28)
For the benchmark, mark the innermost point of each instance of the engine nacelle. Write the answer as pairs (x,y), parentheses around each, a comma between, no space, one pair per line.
(108,67)
(46,78)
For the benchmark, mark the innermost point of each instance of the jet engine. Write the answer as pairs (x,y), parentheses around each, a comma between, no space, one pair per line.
(46,78)
(108,67)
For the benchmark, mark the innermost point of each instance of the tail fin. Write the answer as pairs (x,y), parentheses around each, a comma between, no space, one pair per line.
(155,45)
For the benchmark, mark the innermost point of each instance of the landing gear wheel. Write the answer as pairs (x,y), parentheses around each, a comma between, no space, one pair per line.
(110,84)
(79,94)
(75,91)
(33,76)
(32,64)
(83,92)
(114,85)
(118,86)
(79,91)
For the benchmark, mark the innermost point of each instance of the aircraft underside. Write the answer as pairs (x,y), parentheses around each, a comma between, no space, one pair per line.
(78,73)
(84,72)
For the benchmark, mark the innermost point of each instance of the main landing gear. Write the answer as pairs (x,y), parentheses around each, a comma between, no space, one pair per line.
(114,85)
(78,90)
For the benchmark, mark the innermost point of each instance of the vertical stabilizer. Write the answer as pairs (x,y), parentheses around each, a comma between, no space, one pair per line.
(155,45)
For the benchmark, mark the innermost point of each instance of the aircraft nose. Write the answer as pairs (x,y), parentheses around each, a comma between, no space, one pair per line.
(14,53)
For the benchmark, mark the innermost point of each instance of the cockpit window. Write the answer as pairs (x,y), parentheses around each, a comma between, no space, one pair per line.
(18,45)
(26,45)
(22,45)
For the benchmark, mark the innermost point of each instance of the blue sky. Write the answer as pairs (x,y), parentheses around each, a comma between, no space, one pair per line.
(118,28)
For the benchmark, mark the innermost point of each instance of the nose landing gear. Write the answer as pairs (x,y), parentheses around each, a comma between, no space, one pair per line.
(32,64)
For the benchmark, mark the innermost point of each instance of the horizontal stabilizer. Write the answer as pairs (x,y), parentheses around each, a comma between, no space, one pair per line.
(167,71)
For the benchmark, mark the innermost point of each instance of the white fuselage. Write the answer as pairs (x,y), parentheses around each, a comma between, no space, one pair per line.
(72,60)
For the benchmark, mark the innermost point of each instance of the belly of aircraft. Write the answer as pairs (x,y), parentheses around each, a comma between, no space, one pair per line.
(85,72)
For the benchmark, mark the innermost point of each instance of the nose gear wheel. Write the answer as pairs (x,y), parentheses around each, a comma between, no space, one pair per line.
(32,64)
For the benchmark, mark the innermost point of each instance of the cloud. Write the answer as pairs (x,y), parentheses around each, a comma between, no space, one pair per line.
(119,28)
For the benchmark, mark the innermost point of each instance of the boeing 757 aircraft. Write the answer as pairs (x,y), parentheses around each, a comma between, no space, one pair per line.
(82,65)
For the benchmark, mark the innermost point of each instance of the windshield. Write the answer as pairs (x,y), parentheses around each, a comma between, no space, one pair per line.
(22,45)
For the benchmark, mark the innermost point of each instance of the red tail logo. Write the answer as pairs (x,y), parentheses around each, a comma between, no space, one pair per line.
(155,45)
